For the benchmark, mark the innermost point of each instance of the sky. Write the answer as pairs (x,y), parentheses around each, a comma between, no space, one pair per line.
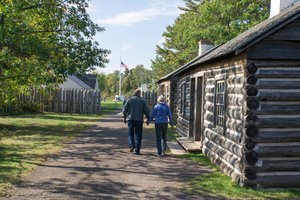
(133,28)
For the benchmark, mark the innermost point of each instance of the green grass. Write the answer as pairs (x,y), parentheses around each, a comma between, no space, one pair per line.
(110,106)
(27,140)
(172,134)
(220,185)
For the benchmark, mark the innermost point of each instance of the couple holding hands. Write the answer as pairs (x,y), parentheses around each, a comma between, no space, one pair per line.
(134,111)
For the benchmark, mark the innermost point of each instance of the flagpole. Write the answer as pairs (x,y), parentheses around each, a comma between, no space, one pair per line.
(120,81)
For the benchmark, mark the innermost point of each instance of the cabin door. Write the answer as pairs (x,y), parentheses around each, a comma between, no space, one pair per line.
(196,108)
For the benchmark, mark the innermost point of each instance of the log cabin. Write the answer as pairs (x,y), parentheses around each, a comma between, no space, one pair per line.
(241,100)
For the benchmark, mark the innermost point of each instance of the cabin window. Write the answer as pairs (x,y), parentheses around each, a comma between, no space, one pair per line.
(182,102)
(220,103)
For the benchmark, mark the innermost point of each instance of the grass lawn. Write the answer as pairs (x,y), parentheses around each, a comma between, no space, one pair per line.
(27,140)
(219,184)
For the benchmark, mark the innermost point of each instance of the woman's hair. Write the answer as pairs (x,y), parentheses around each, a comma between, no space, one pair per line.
(161,99)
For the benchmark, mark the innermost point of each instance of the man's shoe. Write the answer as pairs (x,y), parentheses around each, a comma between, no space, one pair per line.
(131,149)
(137,153)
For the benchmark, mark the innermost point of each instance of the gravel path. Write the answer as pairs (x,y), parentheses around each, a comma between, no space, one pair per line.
(98,165)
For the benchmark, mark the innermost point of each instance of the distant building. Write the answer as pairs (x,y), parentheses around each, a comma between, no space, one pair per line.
(85,81)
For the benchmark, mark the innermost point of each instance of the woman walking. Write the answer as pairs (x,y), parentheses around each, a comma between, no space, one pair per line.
(163,115)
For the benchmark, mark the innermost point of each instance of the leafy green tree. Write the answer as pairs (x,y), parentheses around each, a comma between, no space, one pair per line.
(102,82)
(112,81)
(42,41)
(214,20)
(222,20)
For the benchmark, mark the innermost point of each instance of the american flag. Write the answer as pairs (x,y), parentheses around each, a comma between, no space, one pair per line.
(123,65)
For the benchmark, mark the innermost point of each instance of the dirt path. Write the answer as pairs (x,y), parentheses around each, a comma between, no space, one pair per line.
(98,165)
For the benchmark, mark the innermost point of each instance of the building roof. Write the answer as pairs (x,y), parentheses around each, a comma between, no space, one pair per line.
(245,40)
(89,79)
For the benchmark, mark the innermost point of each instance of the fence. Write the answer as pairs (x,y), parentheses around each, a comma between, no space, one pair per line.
(81,101)
(151,98)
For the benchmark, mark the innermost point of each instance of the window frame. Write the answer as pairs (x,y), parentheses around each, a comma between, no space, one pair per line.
(182,99)
(220,102)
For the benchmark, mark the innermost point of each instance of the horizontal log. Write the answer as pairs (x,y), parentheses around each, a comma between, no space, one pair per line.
(278,149)
(235,89)
(235,99)
(266,64)
(182,121)
(235,79)
(233,135)
(235,124)
(279,108)
(209,90)
(209,97)
(229,171)
(275,50)
(234,112)
(279,95)
(209,116)
(278,121)
(224,142)
(278,72)
(278,165)
(209,106)
(266,135)
(278,181)
(278,83)
(182,131)
(210,81)
(208,124)
(224,154)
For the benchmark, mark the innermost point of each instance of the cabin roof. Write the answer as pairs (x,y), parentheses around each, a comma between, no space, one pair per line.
(244,40)
(89,79)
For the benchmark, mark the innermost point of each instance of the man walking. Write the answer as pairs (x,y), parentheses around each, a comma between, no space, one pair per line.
(133,112)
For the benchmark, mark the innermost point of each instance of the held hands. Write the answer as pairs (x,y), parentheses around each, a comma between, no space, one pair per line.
(124,120)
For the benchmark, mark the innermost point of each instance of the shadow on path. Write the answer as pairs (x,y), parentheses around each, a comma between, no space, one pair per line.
(98,165)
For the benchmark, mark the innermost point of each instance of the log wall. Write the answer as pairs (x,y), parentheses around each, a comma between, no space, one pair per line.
(183,116)
(223,144)
(272,142)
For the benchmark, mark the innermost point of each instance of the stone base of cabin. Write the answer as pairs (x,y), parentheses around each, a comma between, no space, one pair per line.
(189,145)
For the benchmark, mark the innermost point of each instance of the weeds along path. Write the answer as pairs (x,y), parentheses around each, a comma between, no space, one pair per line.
(98,165)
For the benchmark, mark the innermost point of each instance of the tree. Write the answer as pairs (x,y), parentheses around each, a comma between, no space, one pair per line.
(42,41)
(215,20)
(222,20)
(102,82)
(112,81)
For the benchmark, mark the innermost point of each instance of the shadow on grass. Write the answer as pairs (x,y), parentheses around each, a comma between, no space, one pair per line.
(25,145)
(60,117)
